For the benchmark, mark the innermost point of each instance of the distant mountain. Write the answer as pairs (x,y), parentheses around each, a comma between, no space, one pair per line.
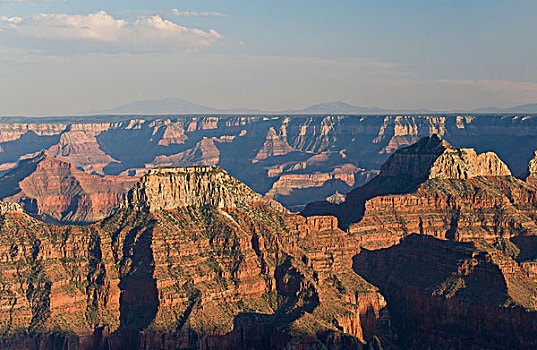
(335,107)
(163,106)
(527,108)
(345,108)
(175,106)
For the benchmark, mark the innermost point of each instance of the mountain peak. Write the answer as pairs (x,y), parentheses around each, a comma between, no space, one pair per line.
(170,188)
(432,157)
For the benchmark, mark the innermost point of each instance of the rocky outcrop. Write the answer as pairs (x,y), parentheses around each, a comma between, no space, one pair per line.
(204,152)
(54,191)
(170,188)
(6,207)
(430,161)
(434,158)
(304,153)
(531,175)
(532,166)
(275,144)
(336,198)
(78,144)
(194,259)
(449,236)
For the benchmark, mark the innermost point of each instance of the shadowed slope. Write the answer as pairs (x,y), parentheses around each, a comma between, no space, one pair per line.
(453,295)
(406,170)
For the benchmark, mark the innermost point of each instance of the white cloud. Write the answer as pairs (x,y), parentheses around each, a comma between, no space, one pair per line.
(96,26)
(179,13)
(10,20)
(161,30)
(143,34)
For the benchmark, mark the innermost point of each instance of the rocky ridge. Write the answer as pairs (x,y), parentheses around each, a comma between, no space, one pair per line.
(294,160)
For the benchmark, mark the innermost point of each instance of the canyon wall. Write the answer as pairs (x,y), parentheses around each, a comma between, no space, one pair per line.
(439,250)
(449,237)
(192,259)
(54,191)
(293,159)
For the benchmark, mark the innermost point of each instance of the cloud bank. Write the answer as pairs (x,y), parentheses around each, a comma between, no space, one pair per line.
(146,33)
(179,13)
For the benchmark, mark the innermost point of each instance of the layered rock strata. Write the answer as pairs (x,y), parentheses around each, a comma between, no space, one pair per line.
(449,236)
(55,191)
(194,259)
(295,160)
(439,252)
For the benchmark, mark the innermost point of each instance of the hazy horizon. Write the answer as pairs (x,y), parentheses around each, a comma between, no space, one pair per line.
(67,57)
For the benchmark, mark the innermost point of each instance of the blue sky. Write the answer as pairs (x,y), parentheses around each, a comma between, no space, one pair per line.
(64,57)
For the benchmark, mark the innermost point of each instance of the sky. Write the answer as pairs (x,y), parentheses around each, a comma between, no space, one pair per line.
(63,57)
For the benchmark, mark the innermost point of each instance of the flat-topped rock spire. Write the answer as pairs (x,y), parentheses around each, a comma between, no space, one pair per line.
(169,188)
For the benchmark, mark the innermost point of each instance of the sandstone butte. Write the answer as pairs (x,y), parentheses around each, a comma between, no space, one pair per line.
(439,251)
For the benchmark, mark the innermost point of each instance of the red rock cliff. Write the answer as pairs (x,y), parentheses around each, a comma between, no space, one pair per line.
(55,191)
(211,266)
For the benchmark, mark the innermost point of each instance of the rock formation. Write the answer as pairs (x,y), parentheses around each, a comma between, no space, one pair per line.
(450,295)
(449,236)
(194,259)
(434,158)
(170,188)
(54,191)
(439,251)
(531,175)
(429,160)
(294,160)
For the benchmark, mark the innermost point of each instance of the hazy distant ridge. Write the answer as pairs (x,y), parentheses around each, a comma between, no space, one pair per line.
(180,106)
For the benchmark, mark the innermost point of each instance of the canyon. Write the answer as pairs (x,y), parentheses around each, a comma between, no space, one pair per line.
(436,251)
(294,160)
